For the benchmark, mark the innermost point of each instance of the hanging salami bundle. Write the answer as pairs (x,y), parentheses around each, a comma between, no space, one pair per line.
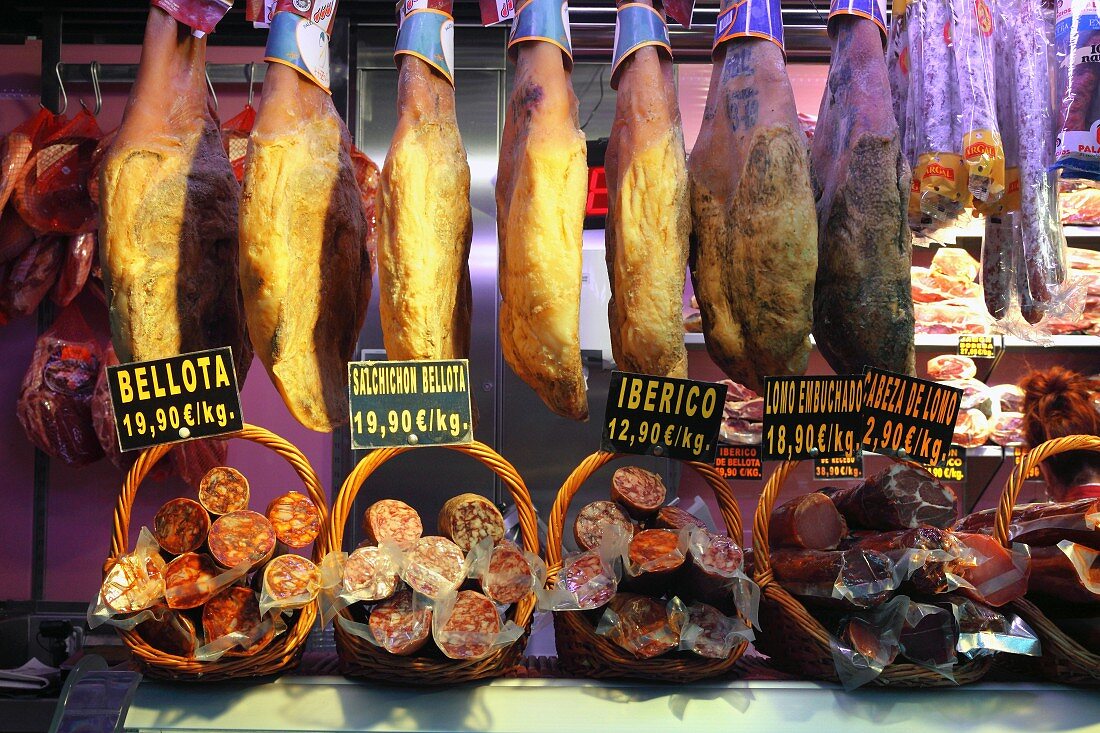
(983,154)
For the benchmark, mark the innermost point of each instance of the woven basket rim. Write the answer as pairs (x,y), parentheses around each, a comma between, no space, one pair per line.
(578,643)
(285,650)
(362,659)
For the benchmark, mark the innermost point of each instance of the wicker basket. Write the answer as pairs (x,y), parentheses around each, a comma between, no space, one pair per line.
(360,658)
(796,641)
(583,652)
(286,649)
(1063,659)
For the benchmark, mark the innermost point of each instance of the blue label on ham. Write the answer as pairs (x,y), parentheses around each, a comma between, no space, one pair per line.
(874,10)
(429,36)
(542,20)
(301,45)
(750,19)
(637,26)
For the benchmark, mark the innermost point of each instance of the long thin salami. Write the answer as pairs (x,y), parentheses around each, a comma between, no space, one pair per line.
(399,625)
(641,492)
(981,137)
(181,525)
(295,519)
(471,629)
(223,490)
(391,519)
(939,160)
(236,610)
(291,582)
(468,518)
(370,574)
(241,536)
(190,581)
(597,518)
(983,521)
(434,566)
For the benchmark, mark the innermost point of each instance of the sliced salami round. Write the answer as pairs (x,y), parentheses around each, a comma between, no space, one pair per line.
(509,578)
(673,517)
(597,518)
(223,490)
(236,610)
(370,574)
(656,550)
(434,566)
(190,580)
(715,559)
(641,492)
(471,629)
(468,518)
(134,583)
(295,519)
(181,526)
(291,581)
(714,636)
(391,519)
(399,626)
(589,578)
(241,537)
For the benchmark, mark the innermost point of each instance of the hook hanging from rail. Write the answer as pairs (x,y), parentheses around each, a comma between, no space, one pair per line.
(250,70)
(61,86)
(94,69)
(210,86)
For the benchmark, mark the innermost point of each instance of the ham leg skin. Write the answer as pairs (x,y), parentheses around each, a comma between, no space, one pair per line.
(425,225)
(754,246)
(863,306)
(304,270)
(648,219)
(169,211)
(542,183)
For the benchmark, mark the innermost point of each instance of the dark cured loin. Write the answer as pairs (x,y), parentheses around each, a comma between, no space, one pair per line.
(863,305)
(810,521)
(814,575)
(1052,574)
(898,497)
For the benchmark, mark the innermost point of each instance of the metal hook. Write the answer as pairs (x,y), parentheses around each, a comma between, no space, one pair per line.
(210,86)
(95,89)
(61,86)
(250,70)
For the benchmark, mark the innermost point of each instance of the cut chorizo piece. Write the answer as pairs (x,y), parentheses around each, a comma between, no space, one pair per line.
(370,574)
(471,629)
(640,492)
(994,572)
(594,521)
(673,517)
(134,583)
(172,633)
(392,519)
(810,521)
(898,497)
(468,518)
(589,579)
(1054,575)
(850,579)
(190,580)
(181,525)
(434,566)
(509,578)
(295,519)
(399,625)
(236,610)
(714,561)
(642,627)
(223,490)
(655,557)
(241,537)
(291,582)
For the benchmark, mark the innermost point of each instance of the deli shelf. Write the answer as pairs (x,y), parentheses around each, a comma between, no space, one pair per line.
(330,703)
(940,342)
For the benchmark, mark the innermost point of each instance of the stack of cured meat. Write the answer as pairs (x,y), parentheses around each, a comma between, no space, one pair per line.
(876,563)
(214,578)
(444,594)
(986,414)
(742,416)
(680,587)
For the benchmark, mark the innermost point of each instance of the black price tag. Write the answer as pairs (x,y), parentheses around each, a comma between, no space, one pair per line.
(978,347)
(1018,455)
(402,403)
(811,417)
(179,398)
(739,462)
(908,417)
(952,467)
(663,416)
(844,467)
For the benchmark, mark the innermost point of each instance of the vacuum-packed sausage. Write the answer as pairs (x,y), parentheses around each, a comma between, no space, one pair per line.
(399,625)
(641,492)
(595,519)
(190,580)
(471,629)
(468,518)
(242,536)
(810,521)
(291,582)
(434,566)
(370,574)
(295,519)
(509,578)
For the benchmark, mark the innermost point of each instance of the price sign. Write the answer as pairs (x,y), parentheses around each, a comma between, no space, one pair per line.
(908,417)
(811,417)
(843,467)
(739,462)
(978,347)
(953,465)
(662,416)
(1019,454)
(179,398)
(401,403)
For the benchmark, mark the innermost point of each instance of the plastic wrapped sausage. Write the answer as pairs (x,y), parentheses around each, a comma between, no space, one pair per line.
(655,556)
(643,626)
(594,519)
(467,627)
(295,519)
(1068,572)
(995,575)
(400,625)
(232,623)
(675,518)
(434,566)
(715,573)
(850,579)
(191,580)
(508,576)
(181,525)
(136,581)
(290,582)
(370,574)
(392,519)
(983,153)
(223,490)
(169,632)
(710,633)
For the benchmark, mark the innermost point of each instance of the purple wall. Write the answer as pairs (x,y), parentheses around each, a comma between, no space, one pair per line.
(81,501)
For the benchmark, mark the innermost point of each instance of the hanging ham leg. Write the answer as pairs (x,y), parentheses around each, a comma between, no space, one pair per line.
(169,210)
(305,270)
(863,307)
(542,181)
(425,225)
(754,249)
(648,219)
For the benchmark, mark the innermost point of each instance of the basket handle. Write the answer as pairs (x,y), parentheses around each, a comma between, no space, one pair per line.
(1034,457)
(149,457)
(341,508)
(731,515)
